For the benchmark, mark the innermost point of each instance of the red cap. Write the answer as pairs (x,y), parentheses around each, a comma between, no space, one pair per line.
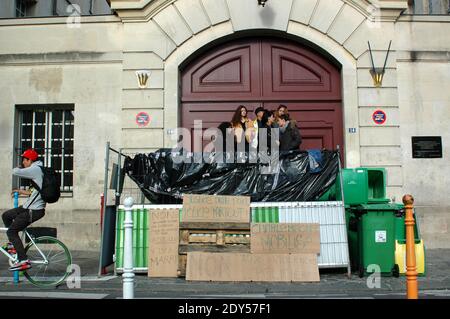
(30,154)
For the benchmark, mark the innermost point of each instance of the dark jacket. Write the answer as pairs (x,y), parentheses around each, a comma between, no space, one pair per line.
(260,124)
(291,138)
(225,136)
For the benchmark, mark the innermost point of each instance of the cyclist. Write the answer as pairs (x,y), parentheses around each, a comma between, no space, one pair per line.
(33,209)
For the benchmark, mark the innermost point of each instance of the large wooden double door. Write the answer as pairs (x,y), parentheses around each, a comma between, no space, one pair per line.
(265,72)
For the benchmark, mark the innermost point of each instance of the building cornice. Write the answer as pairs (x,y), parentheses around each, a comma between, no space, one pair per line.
(56,20)
(443,18)
(138,9)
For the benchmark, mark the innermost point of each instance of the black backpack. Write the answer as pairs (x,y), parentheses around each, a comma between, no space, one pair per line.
(50,191)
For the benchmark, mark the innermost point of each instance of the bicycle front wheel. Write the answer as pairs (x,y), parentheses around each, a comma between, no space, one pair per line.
(49,259)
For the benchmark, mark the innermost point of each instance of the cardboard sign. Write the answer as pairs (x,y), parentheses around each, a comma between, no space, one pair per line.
(252,267)
(163,243)
(214,208)
(285,238)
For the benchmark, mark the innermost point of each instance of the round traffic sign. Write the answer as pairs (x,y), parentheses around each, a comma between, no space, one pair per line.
(379,117)
(142,119)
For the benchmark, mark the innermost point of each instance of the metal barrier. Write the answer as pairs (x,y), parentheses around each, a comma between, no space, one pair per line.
(117,187)
(333,231)
(329,215)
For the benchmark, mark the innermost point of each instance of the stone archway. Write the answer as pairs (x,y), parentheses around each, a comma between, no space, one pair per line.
(173,30)
(172,94)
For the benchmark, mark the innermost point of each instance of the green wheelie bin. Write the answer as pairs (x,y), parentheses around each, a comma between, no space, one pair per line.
(374,234)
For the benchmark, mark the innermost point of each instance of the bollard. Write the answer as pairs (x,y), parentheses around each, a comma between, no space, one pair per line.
(16,204)
(128,272)
(411,270)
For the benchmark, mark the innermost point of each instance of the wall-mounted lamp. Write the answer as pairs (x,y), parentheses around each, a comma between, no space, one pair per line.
(143,76)
(262,2)
(378,73)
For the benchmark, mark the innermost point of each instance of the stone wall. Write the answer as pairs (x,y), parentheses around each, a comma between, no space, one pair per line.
(424,77)
(95,67)
(45,62)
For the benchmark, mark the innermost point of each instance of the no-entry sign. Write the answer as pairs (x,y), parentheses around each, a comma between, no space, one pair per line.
(142,119)
(379,117)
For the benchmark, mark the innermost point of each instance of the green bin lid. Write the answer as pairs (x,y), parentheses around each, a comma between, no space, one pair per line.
(379,207)
(378,200)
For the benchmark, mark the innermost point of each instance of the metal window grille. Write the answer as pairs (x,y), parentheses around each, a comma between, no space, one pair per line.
(51,133)
(429,7)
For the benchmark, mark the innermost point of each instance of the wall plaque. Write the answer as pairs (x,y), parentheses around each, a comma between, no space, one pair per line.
(426,147)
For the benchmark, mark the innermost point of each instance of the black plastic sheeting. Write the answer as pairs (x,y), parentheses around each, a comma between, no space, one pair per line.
(301,176)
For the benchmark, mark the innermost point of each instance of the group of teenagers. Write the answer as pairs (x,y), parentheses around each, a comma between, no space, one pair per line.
(250,132)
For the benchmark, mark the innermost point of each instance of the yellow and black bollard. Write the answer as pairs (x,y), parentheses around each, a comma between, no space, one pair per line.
(412,291)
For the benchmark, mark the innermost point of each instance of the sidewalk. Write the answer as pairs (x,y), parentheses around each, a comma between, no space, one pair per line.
(333,284)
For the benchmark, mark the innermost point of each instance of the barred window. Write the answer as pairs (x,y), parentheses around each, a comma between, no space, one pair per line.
(50,131)
(21,8)
(429,7)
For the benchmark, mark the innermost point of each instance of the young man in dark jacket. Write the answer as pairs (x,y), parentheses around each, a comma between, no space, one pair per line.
(290,138)
(259,112)
(33,209)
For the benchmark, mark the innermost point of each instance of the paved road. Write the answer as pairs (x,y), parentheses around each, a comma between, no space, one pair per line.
(333,285)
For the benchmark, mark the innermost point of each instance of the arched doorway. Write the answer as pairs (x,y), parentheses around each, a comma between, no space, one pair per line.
(265,72)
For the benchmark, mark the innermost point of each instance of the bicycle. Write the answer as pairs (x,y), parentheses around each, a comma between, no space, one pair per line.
(49,259)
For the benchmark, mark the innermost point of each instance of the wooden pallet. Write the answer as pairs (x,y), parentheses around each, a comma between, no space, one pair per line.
(211,237)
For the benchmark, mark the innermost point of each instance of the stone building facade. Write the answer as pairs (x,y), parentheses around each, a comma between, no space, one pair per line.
(47,8)
(91,66)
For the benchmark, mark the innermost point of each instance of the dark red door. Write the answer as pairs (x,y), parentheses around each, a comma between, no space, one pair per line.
(266,72)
